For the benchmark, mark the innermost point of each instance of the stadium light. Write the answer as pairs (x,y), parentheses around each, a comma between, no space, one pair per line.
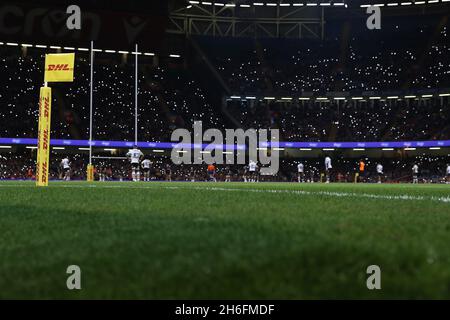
(84,149)
(357,98)
(174,56)
(5,147)
(59,148)
(269,98)
(410,149)
(25,45)
(81,49)
(435,148)
(305,149)
(328,149)
(444,95)
(410,97)
(388,149)
(359,149)
(158,151)
(393,97)
(31,148)
(278,149)
(12,44)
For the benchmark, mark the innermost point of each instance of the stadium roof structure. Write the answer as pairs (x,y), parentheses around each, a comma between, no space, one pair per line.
(277,19)
(346,96)
(248,19)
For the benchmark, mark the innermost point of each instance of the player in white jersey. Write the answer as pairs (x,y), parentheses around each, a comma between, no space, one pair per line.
(228,174)
(102,173)
(415,173)
(380,172)
(65,165)
(146,166)
(252,169)
(448,174)
(301,172)
(135,156)
(328,168)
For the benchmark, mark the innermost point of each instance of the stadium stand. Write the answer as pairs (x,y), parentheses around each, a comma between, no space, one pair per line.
(414,58)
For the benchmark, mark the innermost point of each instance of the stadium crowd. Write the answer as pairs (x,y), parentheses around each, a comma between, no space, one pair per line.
(377,120)
(171,98)
(406,54)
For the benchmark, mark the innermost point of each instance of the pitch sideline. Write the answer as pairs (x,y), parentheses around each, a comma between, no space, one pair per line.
(270,191)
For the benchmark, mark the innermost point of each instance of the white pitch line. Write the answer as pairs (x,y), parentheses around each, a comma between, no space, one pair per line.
(325,193)
(273,191)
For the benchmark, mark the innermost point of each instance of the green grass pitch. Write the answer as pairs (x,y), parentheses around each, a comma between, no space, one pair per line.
(224,241)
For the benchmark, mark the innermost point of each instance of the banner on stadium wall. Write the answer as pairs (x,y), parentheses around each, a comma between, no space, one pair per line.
(105,22)
(43,151)
(59,67)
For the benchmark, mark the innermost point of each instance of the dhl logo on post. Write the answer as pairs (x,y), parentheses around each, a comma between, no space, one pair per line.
(43,156)
(59,67)
(90,173)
